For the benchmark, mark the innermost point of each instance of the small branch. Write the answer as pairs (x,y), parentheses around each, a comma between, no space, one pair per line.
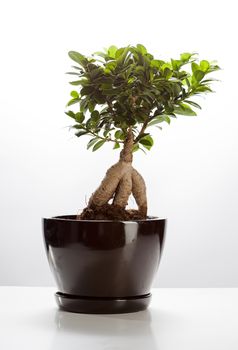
(109,139)
(110,107)
(144,126)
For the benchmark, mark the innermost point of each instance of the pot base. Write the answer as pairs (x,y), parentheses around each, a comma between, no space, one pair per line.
(93,305)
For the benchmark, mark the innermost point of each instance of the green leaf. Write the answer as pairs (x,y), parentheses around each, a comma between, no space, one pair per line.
(78,126)
(176,64)
(135,148)
(209,80)
(111,65)
(203,88)
(100,53)
(74,94)
(73,73)
(166,119)
(198,75)
(91,106)
(92,123)
(147,141)
(79,82)
(184,110)
(192,103)
(92,142)
(117,145)
(139,69)
(98,145)
(168,73)
(106,132)
(73,101)
(112,51)
(204,65)
(159,119)
(79,117)
(195,67)
(84,105)
(141,49)
(166,65)
(186,56)
(119,52)
(86,90)
(81,133)
(213,68)
(95,115)
(77,57)
(70,114)
(154,122)
(78,68)
(119,134)
(156,63)
(122,55)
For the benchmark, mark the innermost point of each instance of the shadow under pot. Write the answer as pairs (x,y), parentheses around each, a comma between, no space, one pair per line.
(103,266)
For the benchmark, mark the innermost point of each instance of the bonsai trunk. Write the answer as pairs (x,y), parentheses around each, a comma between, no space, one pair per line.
(120,181)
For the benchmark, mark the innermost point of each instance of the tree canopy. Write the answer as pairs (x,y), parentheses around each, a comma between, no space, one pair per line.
(128,87)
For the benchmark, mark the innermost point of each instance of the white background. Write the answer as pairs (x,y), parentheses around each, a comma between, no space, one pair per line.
(191,172)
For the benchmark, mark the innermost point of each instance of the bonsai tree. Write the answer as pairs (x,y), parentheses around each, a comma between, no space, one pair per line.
(121,94)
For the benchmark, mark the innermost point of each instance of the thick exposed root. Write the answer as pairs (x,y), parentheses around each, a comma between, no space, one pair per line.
(124,189)
(139,192)
(130,181)
(119,182)
(109,184)
(114,175)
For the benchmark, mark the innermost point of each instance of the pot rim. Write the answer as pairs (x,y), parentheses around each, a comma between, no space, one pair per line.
(150,218)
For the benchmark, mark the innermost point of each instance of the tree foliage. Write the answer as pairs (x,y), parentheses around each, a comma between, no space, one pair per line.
(127,86)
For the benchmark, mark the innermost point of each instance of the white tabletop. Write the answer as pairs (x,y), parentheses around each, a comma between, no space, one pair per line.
(178,319)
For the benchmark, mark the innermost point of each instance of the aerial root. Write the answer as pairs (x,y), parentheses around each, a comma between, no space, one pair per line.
(123,190)
(120,182)
(139,192)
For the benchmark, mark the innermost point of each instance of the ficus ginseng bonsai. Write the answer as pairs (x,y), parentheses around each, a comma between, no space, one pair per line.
(123,92)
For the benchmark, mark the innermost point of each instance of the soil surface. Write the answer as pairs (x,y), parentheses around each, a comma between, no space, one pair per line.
(110,212)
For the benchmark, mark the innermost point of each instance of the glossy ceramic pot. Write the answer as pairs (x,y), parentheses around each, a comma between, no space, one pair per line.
(103,266)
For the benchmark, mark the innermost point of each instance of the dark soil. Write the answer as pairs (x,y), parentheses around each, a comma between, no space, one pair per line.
(110,212)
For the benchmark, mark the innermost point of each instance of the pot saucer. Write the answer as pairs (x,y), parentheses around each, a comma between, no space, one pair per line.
(93,305)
